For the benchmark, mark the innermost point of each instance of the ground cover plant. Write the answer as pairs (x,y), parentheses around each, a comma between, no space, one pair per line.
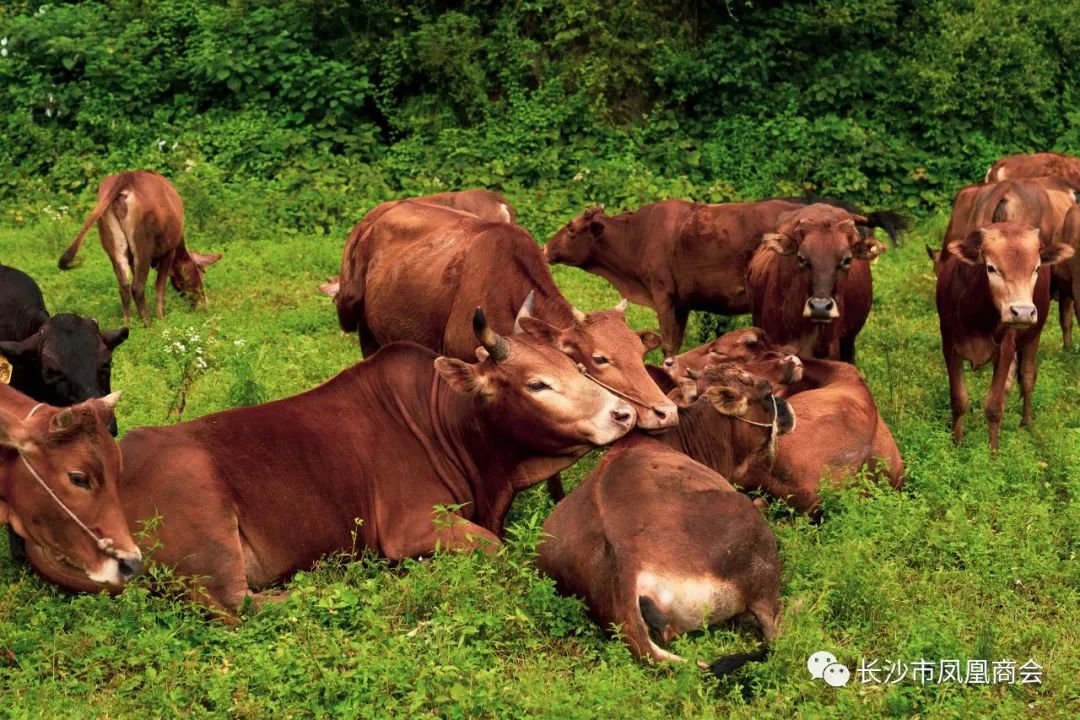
(280,125)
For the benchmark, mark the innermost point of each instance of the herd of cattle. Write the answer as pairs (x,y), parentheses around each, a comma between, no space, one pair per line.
(481,379)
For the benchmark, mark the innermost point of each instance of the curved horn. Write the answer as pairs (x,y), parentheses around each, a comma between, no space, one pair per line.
(525,311)
(494,343)
(622,305)
(693,374)
(579,317)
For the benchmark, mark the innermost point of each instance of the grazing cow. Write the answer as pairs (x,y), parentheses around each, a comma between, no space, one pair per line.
(421,269)
(365,461)
(58,487)
(810,284)
(1040,202)
(484,204)
(660,546)
(1066,276)
(1035,165)
(140,219)
(993,293)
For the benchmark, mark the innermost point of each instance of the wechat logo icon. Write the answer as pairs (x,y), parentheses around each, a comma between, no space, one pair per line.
(823,666)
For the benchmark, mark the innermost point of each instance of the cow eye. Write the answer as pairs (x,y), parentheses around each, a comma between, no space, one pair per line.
(803,261)
(600,360)
(79,479)
(991,269)
(537,386)
(846,262)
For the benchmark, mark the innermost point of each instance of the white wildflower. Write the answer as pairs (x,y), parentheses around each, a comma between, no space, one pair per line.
(48,112)
(160,144)
(239,342)
(3,41)
(3,52)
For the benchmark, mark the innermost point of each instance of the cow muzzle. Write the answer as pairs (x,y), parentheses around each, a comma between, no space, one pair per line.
(611,423)
(821,309)
(657,418)
(117,570)
(1021,315)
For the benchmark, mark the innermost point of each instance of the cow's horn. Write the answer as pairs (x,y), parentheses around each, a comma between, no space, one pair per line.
(525,311)
(496,345)
(579,317)
(622,305)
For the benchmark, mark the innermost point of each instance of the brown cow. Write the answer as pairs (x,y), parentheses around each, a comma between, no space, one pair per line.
(58,486)
(840,430)
(1066,276)
(484,204)
(1040,202)
(140,219)
(810,284)
(365,461)
(660,546)
(749,345)
(673,256)
(421,270)
(1035,165)
(993,293)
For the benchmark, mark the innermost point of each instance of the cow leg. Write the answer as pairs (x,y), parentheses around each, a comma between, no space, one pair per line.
(428,533)
(1028,357)
(555,488)
(999,386)
(672,324)
(138,287)
(847,349)
(1066,306)
(116,247)
(958,396)
(163,271)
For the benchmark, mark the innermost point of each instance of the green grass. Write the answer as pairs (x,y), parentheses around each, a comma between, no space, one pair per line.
(976,558)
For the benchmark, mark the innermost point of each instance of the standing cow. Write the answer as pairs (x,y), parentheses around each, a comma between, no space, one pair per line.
(993,293)
(660,546)
(1067,275)
(810,284)
(140,219)
(248,496)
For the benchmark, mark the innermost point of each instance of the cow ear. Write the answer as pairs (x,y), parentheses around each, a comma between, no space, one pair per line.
(969,249)
(542,331)
(14,433)
(107,403)
(726,400)
(205,261)
(526,310)
(114,337)
(650,339)
(463,377)
(867,248)
(1055,253)
(779,243)
(20,350)
(686,392)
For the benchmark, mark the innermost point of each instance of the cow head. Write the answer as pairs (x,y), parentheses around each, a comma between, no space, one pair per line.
(1011,254)
(611,352)
(187,273)
(534,394)
(573,244)
(67,361)
(745,347)
(71,452)
(824,241)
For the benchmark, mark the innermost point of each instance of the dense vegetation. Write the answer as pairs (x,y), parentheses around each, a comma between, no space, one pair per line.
(282,123)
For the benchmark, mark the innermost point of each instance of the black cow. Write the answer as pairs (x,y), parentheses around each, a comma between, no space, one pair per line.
(60,360)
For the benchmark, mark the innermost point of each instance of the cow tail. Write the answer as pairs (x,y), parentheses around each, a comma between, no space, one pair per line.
(350,297)
(113,188)
(892,223)
(731,663)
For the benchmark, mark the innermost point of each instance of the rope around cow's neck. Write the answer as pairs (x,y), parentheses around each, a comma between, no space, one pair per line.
(105,545)
(613,391)
(774,426)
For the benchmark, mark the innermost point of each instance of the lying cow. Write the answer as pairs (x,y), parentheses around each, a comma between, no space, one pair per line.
(484,204)
(248,496)
(661,546)
(1035,165)
(810,284)
(140,219)
(993,293)
(58,486)
(749,345)
(1066,275)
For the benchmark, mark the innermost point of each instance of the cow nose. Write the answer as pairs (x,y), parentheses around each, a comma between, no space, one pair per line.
(129,567)
(622,415)
(820,307)
(668,415)
(1024,314)
(669,362)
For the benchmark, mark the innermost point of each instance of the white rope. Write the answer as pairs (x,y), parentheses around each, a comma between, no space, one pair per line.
(613,391)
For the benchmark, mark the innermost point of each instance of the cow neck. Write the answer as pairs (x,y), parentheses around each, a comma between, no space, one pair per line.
(714,439)
(551,307)
(622,246)
(971,299)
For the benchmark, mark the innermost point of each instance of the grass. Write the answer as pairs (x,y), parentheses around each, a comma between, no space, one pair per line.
(976,558)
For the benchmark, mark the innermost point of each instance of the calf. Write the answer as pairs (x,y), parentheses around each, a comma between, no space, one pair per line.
(1066,277)
(810,284)
(993,292)
(659,546)
(1035,165)
(248,496)
(58,487)
(140,219)
(484,204)
(750,345)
